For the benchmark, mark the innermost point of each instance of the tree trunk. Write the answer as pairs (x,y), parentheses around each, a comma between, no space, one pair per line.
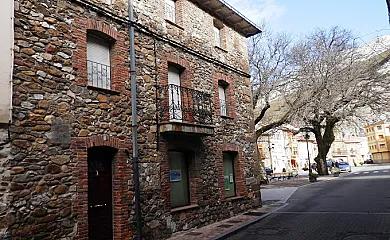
(324,142)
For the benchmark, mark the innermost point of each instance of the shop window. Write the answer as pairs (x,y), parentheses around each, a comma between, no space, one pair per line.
(178,178)
(170,10)
(228,174)
(98,62)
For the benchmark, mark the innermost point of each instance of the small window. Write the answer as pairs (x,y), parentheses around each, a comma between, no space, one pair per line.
(217,36)
(222,98)
(382,145)
(170,10)
(381,137)
(379,127)
(98,62)
(228,174)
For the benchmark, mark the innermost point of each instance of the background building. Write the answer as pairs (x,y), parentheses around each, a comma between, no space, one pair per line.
(378,135)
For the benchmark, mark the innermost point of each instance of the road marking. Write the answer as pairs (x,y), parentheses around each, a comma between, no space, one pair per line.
(376,171)
(365,172)
(386,171)
(356,173)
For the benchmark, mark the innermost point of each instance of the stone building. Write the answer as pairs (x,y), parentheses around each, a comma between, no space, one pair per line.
(67,173)
(378,140)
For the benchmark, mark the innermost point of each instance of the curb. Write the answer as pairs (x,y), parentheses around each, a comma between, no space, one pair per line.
(235,230)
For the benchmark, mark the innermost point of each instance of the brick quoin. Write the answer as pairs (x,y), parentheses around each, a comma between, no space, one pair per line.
(121,176)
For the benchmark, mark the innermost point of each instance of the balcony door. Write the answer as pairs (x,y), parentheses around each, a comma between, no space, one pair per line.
(175,101)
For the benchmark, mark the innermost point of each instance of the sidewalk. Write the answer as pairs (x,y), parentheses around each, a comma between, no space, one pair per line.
(274,196)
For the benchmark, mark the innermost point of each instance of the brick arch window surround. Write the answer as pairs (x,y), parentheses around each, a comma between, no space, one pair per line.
(98,57)
(234,177)
(224,95)
(173,12)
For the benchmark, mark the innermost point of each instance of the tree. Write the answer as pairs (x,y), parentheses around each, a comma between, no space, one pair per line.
(334,82)
(269,66)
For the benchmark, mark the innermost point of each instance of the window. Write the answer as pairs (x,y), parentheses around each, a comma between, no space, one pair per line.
(222,98)
(382,145)
(174,90)
(178,178)
(381,137)
(170,10)
(379,127)
(228,174)
(217,36)
(98,62)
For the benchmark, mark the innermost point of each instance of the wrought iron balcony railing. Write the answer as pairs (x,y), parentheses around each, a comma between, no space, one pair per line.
(99,75)
(223,107)
(180,104)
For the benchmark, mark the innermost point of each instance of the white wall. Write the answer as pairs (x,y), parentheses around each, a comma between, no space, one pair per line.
(6,59)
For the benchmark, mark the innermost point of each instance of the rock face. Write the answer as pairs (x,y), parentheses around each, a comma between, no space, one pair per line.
(59,119)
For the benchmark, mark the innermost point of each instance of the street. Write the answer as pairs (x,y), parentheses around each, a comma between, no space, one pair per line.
(353,206)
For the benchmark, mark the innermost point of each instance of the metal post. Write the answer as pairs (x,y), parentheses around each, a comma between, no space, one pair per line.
(134,124)
(308,154)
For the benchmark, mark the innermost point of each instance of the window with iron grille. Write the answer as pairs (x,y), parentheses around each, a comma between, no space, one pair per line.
(98,62)
(222,99)
(170,10)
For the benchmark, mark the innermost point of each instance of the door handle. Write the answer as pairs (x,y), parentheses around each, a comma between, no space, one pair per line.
(98,205)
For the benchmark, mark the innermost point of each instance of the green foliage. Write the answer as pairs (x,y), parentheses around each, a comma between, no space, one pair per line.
(315,175)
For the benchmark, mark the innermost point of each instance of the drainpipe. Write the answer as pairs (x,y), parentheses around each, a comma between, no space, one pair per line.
(134,125)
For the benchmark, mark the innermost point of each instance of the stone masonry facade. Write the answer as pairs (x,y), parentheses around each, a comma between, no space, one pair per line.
(59,118)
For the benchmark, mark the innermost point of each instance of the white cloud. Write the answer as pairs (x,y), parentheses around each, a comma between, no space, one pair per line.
(258,10)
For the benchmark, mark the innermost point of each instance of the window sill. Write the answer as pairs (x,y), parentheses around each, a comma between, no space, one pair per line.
(227,117)
(179,209)
(174,24)
(234,198)
(222,49)
(104,90)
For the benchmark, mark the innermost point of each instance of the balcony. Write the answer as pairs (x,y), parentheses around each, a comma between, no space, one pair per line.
(184,110)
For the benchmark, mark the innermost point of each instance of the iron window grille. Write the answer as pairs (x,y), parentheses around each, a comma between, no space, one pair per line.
(99,75)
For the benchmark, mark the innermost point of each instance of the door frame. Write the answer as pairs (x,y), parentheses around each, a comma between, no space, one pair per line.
(79,147)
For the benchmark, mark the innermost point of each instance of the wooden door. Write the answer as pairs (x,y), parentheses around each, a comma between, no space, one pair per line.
(100,193)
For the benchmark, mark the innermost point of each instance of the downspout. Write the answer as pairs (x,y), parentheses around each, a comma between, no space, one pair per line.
(134,124)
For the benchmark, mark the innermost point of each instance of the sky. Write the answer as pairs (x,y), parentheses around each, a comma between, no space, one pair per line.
(368,19)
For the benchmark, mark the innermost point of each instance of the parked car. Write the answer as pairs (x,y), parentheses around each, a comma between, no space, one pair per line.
(268,171)
(344,167)
(369,161)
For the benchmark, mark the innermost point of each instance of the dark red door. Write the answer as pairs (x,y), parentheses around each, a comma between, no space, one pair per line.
(100,193)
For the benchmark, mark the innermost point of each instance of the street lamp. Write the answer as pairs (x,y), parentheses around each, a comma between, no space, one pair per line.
(307,136)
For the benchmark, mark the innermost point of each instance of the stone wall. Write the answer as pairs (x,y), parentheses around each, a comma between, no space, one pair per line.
(57,117)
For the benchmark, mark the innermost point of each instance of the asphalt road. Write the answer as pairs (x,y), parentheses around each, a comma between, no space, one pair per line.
(355,206)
